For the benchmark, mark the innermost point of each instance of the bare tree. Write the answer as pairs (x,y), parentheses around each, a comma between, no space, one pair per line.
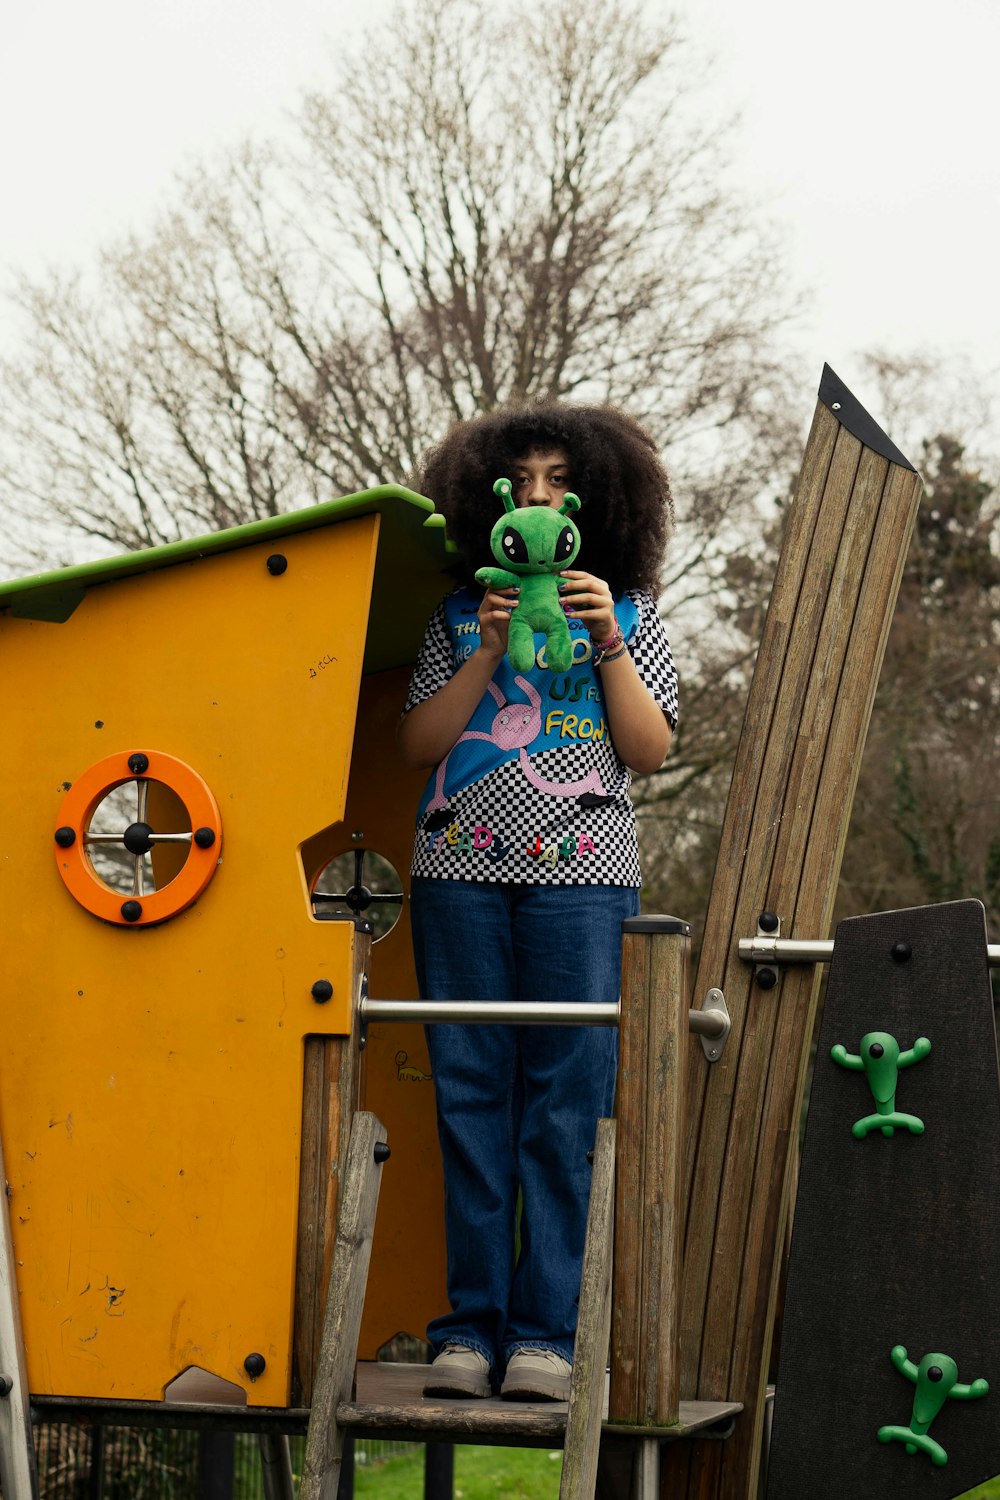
(486,204)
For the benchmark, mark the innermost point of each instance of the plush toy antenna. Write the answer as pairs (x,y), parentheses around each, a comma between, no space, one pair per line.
(570,502)
(504,489)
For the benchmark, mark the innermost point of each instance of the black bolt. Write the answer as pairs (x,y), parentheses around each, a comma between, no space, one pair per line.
(935,1373)
(138,763)
(131,910)
(900,952)
(136,838)
(768,921)
(766,978)
(65,837)
(255,1364)
(276,564)
(204,837)
(6,1385)
(381,1152)
(322,991)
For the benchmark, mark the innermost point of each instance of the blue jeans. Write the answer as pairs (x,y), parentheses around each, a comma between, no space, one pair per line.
(517,1106)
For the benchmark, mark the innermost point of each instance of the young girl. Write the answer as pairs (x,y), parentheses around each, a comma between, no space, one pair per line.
(525,865)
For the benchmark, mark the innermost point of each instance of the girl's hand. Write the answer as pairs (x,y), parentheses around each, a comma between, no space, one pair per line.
(589,598)
(494,620)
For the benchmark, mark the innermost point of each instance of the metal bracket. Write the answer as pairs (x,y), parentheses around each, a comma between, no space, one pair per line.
(714,1005)
(768,927)
(362,1018)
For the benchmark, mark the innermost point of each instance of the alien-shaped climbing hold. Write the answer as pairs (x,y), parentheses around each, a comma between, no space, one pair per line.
(936,1379)
(881,1060)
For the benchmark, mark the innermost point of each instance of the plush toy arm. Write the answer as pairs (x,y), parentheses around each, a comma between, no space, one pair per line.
(496,578)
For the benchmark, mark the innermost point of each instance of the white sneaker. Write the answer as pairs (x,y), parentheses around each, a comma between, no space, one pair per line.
(458,1371)
(536,1375)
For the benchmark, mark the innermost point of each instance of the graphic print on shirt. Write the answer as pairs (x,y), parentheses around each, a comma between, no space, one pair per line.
(533,789)
(514,727)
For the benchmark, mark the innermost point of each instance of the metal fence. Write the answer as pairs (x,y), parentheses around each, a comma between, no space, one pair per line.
(143,1463)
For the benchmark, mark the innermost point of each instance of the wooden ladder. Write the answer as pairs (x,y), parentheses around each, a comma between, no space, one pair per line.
(386,1401)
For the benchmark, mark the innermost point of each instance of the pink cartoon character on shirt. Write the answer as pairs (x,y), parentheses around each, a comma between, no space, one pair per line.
(513,728)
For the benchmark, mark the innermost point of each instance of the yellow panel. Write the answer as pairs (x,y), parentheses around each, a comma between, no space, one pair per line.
(151,1079)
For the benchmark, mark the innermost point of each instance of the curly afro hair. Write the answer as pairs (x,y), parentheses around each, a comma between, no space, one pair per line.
(614,468)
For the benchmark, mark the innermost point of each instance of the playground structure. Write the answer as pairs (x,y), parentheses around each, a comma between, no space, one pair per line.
(193,1134)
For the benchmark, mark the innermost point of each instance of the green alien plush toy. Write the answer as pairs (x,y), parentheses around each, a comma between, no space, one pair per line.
(534,545)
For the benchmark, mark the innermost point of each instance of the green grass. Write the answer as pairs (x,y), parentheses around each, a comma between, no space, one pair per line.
(480,1474)
(486,1473)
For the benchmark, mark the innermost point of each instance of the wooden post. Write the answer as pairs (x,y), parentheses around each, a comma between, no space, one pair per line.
(786,820)
(275,1466)
(329,1099)
(345,1300)
(654,1043)
(590,1356)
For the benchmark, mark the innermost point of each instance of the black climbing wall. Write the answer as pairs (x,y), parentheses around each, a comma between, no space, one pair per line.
(896,1240)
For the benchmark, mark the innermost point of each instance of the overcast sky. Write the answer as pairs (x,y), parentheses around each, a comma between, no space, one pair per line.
(868,125)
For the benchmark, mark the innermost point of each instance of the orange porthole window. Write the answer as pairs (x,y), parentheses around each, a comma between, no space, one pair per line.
(80,847)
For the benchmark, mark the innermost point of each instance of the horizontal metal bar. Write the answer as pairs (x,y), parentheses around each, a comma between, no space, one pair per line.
(708,1022)
(518,1013)
(491,1012)
(770,950)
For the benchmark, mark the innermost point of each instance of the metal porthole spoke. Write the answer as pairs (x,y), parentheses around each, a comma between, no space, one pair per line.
(360,896)
(75,838)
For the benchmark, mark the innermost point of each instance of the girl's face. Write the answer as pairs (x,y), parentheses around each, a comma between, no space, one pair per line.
(541,477)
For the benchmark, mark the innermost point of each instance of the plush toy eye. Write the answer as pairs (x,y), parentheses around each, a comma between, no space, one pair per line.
(564,545)
(513,546)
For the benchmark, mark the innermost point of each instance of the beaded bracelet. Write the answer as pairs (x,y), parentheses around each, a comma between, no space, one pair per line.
(602,648)
(603,660)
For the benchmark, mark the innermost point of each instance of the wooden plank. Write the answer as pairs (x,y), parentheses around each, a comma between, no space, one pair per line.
(794,779)
(590,1354)
(762,770)
(345,1300)
(786,820)
(329,1099)
(390,1402)
(811,905)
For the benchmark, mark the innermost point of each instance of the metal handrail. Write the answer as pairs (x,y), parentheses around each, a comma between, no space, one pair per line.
(709,1022)
(779,950)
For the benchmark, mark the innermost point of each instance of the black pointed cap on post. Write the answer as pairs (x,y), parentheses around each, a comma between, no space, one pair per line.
(851,414)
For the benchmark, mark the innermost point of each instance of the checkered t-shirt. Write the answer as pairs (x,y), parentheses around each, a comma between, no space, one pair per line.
(533,790)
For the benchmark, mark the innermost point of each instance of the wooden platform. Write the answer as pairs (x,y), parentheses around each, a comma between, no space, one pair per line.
(389,1402)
